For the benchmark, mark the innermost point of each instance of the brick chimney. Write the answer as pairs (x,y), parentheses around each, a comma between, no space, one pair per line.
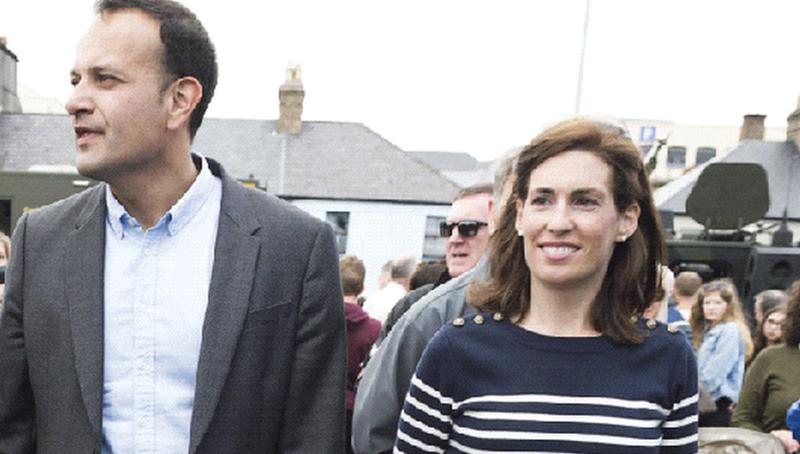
(752,127)
(291,96)
(9,102)
(793,126)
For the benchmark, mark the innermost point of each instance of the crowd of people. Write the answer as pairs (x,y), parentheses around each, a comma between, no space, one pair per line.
(470,381)
(171,309)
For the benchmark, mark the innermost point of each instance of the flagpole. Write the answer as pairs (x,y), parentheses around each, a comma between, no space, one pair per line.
(583,56)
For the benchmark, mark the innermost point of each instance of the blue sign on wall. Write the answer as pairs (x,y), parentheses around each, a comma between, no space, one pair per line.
(647,134)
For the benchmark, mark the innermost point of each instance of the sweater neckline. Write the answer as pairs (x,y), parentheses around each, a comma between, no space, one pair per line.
(568,344)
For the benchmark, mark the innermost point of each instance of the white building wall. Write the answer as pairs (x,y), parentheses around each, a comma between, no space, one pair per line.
(378,231)
(722,138)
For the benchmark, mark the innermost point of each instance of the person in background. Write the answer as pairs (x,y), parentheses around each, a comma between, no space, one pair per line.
(684,292)
(467,232)
(386,274)
(379,304)
(388,374)
(722,339)
(772,383)
(430,272)
(684,295)
(766,300)
(793,421)
(5,248)
(362,331)
(769,331)
(559,359)
(659,308)
(5,253)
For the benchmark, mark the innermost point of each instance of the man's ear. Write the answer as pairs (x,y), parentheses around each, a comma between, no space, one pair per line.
(184,94)
(490,221)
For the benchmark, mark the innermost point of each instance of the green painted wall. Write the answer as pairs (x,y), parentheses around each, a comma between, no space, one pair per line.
(22,191)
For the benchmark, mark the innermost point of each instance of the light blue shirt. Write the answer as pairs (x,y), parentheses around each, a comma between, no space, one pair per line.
(156,293)
(720,361)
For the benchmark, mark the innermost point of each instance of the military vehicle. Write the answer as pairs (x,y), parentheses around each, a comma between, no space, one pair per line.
(726,198)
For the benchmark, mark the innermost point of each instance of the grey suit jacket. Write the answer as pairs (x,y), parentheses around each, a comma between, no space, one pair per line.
(271,374)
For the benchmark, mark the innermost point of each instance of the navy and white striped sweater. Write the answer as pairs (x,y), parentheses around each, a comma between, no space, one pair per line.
(495,387)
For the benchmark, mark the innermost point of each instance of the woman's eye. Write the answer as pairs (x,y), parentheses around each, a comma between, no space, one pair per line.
(540,201)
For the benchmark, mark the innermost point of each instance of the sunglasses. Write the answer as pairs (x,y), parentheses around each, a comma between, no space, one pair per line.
(465,228)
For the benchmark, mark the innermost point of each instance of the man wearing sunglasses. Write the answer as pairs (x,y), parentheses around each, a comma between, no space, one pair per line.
(386,377)
(467,229)
(467,233)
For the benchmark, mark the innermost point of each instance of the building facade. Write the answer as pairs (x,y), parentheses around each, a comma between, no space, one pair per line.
(687,146)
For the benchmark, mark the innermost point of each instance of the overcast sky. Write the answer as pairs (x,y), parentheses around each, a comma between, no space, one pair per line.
(459,75)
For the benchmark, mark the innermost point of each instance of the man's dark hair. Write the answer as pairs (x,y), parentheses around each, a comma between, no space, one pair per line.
(427,273)
(188,51)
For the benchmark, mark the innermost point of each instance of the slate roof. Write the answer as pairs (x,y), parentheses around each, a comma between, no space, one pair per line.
(327,160)
(443,160)
(462,168)
(781,161)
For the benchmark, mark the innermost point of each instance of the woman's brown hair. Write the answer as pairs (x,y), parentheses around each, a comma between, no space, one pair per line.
(733,313)
(631,278)
(791,326)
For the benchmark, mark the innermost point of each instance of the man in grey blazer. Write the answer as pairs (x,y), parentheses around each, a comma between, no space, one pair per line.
(168,309)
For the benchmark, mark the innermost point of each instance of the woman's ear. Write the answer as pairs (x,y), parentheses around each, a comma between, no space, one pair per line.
(518,222)
(628,222)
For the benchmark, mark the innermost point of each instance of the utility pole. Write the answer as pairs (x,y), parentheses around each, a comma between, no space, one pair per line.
(583,55)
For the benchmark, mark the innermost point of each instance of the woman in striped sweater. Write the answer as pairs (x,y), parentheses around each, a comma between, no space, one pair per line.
(559,360)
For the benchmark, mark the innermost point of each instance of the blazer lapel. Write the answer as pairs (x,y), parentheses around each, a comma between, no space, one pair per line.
(235,257)
(84,259)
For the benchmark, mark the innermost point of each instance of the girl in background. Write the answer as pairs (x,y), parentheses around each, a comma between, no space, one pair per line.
(722,339)
(768,331)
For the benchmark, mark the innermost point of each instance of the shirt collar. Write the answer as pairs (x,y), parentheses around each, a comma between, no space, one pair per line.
(177,217)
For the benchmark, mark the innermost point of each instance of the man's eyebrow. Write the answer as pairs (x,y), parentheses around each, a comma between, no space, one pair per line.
(96,69)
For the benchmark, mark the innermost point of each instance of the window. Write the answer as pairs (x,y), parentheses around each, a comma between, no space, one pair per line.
(5,216)
(676,157)
(434,246)
(339,221)
(704,154)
